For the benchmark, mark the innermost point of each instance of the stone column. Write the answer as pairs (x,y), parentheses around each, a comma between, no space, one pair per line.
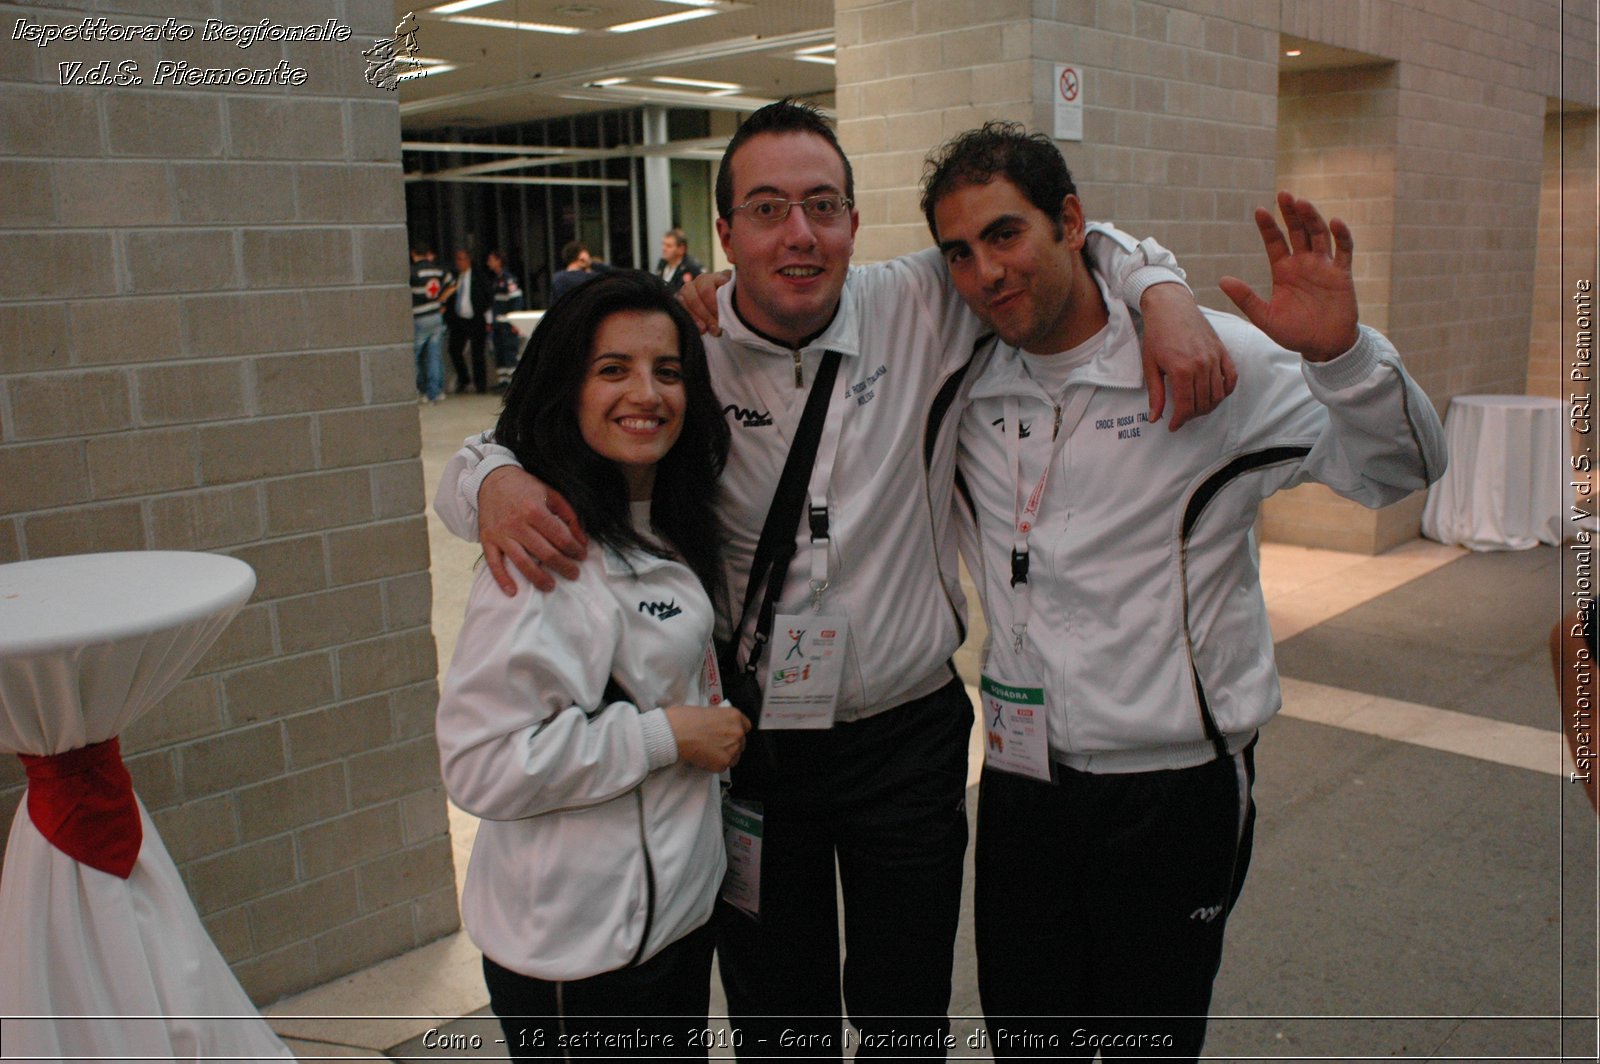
(205,344)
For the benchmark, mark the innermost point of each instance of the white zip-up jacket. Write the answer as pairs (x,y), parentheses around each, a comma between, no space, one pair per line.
(906,338)
(598,848)
(1147,627)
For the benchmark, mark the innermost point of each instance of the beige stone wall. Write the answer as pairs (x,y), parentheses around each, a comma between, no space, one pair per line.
(910,75)
(1336,145)
(205,345)
(1433,151)
(1567,239)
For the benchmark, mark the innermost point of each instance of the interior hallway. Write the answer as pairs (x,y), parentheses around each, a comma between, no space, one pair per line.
(1424,879)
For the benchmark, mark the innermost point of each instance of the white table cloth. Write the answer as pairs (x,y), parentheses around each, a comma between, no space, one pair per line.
(1506,485)
(92,964)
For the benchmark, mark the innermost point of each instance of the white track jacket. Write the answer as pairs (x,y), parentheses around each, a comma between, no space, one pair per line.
(906,339)
(597,848)
(1146,626)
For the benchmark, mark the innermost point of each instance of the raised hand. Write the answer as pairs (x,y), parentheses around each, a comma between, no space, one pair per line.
(1313,305)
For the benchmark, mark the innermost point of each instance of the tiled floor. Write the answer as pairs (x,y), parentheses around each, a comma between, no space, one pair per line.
(1423,884)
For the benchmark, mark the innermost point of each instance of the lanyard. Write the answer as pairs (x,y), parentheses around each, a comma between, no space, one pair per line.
(821,477)
(1025,512)
(817,488)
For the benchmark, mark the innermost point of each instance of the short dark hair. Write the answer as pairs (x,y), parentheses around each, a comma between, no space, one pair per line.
(571,250)
(421,248)
(785,116)
(1031,161)
(679,237)
(539,424)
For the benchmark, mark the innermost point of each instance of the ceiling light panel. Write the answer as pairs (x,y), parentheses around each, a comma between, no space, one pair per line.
(459,6)
(696,83)
(508,24)
(661,20)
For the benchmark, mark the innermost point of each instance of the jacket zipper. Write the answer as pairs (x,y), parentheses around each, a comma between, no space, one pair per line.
(649,879)
(799,374)
(933,428)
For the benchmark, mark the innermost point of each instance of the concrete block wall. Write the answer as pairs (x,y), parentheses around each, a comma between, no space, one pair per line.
(1186,129)
(1336,146)
(910,75)
(1567,243)
(205,345)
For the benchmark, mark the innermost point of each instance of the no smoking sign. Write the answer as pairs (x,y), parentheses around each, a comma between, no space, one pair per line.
(1069,102)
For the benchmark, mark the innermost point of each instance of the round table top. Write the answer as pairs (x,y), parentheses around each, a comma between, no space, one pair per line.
(53,604)
(1521,402)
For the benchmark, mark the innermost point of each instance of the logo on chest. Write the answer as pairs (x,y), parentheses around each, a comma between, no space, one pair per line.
(750,419)
(1024,428)
(1126,426)
(864,391)
(661,611)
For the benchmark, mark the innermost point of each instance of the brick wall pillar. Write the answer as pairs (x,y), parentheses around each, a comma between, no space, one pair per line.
(205,345)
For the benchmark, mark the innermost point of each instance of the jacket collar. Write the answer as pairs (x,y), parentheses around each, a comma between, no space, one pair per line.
(843,333)
(632,562)
(1116,364)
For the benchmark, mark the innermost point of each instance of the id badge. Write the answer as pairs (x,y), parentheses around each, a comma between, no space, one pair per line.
(1015,732)
(805,667)
(741,837)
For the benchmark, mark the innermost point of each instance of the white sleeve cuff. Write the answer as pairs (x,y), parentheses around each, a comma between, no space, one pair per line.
(660,748)
(1350,368)
(494,457)
(1147,277)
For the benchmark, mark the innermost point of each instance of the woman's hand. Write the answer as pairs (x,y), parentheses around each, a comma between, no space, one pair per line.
(708,737)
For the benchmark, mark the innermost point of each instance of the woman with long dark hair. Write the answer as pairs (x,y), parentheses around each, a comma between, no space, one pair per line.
(577,723)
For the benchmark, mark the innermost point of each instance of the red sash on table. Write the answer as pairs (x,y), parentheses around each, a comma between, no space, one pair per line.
(82,802)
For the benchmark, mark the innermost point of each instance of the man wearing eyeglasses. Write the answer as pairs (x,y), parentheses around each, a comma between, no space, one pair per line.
(877,786)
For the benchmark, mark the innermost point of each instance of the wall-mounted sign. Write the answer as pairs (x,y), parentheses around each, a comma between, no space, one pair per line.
(1069,102)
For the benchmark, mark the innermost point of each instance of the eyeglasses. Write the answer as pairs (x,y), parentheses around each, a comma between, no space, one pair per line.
(772,210)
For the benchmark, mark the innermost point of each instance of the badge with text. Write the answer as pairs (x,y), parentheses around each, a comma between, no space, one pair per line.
(805,666)
(741,836)
(1015,734)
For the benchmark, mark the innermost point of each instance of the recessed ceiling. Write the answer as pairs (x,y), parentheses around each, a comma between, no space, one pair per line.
(520,60)
(1314,56)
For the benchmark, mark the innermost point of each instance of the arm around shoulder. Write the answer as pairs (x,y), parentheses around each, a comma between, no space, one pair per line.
(456,498)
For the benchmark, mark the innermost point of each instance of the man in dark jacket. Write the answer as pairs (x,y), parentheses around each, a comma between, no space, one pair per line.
(507,300)
(466,313)
(580,268)
(677,265)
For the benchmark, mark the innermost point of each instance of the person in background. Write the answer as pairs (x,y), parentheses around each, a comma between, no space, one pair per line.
(676,264)
(466,313)
(581,724)
(428,282)
(507,300)
(581,267)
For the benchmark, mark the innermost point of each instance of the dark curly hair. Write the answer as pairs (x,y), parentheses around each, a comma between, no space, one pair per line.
(1031,161)
(539,424)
